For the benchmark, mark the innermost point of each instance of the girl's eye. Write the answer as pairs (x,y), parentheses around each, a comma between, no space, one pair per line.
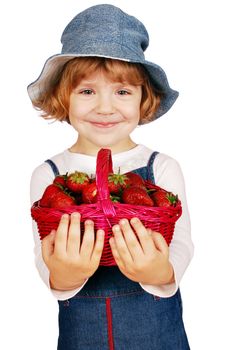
(86,92)
(123,92)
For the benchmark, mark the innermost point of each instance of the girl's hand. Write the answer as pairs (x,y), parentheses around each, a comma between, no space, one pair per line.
(146,261)
(70,263)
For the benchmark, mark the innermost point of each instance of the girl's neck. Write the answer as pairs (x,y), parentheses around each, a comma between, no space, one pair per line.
(92,149)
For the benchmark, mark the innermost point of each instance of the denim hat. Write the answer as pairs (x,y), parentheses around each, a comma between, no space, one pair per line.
(105,31)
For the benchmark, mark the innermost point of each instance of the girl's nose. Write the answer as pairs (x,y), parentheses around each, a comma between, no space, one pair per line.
(104,105)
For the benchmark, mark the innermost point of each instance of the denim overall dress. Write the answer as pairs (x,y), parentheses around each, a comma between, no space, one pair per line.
(111,312)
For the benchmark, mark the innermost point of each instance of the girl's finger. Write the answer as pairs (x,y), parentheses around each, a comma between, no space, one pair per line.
(88,239)
(131,240)
(47,246)
(121,245)
(115,253)
(60,244)
(73,241)
(160,243)
(98,247)
(144,236)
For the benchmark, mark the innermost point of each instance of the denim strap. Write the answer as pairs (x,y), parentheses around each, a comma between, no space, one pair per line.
(53,167)
(150,170)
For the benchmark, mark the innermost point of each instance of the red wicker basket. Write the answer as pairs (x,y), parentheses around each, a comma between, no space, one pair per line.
(106,213)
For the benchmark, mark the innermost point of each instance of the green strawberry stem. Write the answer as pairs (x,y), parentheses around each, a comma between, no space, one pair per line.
(150,190)
(116,199)
(59,186)
(172,198)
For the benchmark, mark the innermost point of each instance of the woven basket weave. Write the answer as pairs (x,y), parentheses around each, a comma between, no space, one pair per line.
(106,213)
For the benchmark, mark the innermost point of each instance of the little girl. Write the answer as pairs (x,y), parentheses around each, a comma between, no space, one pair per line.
(103,87)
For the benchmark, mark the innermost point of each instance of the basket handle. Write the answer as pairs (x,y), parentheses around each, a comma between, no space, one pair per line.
(103,168)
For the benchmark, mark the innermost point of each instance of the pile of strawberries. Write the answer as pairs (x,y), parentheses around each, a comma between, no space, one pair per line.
(78,188)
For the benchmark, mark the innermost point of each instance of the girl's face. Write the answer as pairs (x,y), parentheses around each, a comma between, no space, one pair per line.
(104,113)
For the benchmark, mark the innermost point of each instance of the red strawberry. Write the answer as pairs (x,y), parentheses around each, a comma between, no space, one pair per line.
(89,193)
(163,198)
(61,200)
(77,181)
(116,182)
(48,195)
(133,179)
(137,196)
(60,180)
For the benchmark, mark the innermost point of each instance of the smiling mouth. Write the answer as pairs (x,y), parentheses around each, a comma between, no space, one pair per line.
(104,125)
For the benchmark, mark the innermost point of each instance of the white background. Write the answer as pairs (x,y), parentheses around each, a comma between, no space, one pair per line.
(193,42)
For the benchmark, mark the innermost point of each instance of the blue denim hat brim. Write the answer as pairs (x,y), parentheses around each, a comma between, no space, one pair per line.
(55,64)
(105,31)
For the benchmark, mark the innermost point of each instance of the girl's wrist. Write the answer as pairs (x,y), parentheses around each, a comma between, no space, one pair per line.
(171,275)
(57,285)
(166,276)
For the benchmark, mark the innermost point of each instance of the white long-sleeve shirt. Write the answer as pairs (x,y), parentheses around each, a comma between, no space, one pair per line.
(167,174)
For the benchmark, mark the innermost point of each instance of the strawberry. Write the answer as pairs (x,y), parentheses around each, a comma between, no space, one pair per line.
(162,198)
(89,193)
(77,181)
(48,195)
(61,200)
(133,179)
(116,182)
(60,180)
(137,196)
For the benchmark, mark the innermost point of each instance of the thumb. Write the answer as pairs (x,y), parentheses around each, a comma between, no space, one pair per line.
(160,243)
(47,246)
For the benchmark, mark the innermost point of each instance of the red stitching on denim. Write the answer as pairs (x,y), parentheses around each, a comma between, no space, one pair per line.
(109,324)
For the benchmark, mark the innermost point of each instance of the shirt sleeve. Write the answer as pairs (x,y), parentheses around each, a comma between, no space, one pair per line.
(168,175)
(40,179)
